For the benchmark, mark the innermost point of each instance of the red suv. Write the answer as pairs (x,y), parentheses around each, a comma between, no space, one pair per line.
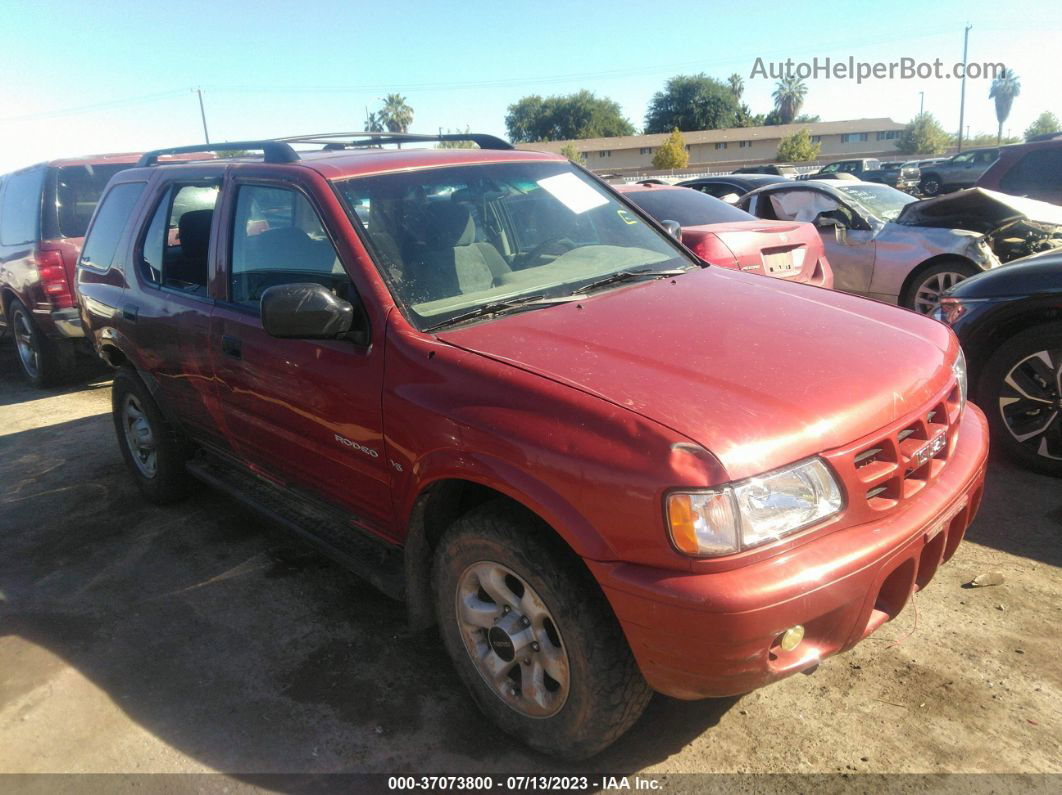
(44,210)
(1031,169)
(504,394)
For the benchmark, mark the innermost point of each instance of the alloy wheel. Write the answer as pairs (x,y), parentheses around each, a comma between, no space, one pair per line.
(1030,403)
(927,296)
(512,639)
(24,342)
(139,437)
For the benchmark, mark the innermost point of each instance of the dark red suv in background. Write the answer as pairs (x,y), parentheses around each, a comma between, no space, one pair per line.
(493,386)
(44,211)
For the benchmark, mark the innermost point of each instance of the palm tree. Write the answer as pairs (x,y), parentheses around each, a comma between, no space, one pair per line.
(737,85)
(396,114)
(788,96)
(1004,88)
(374,123)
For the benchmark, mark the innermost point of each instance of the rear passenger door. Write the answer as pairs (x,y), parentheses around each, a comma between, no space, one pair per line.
(304,412)
(169,315)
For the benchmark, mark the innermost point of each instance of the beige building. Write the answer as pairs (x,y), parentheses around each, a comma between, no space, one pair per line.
(725,150)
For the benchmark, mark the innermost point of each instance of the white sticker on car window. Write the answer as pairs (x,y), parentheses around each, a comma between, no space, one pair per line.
(573,193)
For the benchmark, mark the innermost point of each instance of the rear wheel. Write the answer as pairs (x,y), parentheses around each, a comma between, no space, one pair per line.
(1021,392)
(44,362)
(154,452)
(924,289)
(532,636)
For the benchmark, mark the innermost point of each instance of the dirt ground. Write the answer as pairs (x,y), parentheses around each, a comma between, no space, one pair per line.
(195,638)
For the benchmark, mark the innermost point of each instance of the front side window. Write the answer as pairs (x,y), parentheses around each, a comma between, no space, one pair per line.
(278,238)
(102,245)
(453,239)
(20,208)
(175,248)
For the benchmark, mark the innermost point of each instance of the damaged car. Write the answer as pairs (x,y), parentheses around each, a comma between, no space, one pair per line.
(878,245)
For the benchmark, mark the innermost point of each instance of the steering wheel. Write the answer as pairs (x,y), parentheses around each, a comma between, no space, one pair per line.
(564,245)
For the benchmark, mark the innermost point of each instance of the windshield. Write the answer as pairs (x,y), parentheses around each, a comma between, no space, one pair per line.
(881,201)
(78,190)
(687,207)
(449,240)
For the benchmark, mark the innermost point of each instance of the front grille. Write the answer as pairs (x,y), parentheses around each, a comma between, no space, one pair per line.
(894,465)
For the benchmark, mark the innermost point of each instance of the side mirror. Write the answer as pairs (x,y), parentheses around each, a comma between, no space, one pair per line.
(305,311)
(673,228)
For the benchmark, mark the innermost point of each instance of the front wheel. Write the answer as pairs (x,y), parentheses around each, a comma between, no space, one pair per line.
(532,636)
(925,288)
(931,185)
(1021,392)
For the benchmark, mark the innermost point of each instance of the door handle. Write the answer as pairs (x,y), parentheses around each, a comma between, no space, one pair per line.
(130,312)
(231,346)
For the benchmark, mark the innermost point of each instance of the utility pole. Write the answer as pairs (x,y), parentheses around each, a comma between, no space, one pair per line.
(202,114)
(921,102)
(962,95)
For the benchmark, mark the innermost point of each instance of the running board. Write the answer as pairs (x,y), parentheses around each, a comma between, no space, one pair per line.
(328,529)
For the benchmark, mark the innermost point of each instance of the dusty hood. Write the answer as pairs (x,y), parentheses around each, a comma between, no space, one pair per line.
(979,210)
(758,371)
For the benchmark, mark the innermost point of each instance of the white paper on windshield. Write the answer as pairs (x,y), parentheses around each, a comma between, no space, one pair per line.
(573,193)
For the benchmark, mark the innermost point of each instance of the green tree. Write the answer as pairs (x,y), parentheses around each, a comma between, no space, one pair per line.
(1045,123)
(672,153)
(456,144)
(373,122)
(789,93)
(560,118)
(692,102)
(737,85)
(395,114)
(573,154)
(987,139)
(798,148)
(923,136)
(1005,87)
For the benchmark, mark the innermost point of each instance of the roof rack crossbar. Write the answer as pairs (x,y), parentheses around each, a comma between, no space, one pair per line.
(273,151)
(366,138)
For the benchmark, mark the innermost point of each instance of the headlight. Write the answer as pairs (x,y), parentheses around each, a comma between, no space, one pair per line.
(751,512)
(958,368)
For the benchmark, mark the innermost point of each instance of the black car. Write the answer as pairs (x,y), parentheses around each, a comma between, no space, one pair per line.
(736,185)
(1009,321)
(775,169)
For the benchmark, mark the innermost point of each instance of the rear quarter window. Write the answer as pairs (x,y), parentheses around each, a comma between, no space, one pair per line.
(77,192)
(1036,172)
(20,208)
(102,242)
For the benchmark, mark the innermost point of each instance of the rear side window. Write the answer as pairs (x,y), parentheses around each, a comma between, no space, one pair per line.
(1038,172)
(277,239)
(175,247)
(77,191)
(102,244)
(20,208)
(688,207)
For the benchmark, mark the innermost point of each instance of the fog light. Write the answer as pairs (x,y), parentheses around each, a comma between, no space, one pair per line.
(791,638)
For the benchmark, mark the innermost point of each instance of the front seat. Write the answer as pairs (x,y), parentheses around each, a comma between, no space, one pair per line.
(455,263)
(194,230)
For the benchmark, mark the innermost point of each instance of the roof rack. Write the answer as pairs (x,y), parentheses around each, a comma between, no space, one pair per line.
(351,140)
(279,150)
(272,151)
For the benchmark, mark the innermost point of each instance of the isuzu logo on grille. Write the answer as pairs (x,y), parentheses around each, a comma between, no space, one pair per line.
(921,456)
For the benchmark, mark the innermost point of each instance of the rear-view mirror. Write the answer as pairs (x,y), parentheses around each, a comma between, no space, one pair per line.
(306,311)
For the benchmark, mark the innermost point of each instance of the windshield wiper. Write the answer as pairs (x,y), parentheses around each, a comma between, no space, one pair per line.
(503,307)
(624,276)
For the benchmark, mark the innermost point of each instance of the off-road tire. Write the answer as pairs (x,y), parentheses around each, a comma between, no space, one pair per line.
(170,481)
(606,693)
(992,386)
(53,360)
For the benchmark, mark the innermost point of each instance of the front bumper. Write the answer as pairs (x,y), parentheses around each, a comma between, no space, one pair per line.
(698,635)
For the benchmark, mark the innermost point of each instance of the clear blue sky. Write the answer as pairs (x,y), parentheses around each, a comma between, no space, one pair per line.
(86,77)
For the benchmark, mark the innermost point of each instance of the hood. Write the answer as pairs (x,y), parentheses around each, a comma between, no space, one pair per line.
(758,371)
(1040,274)
(979,210)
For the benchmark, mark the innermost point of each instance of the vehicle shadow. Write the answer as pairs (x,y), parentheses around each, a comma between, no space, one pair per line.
(1021,512)
(233,643)
(90,373)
